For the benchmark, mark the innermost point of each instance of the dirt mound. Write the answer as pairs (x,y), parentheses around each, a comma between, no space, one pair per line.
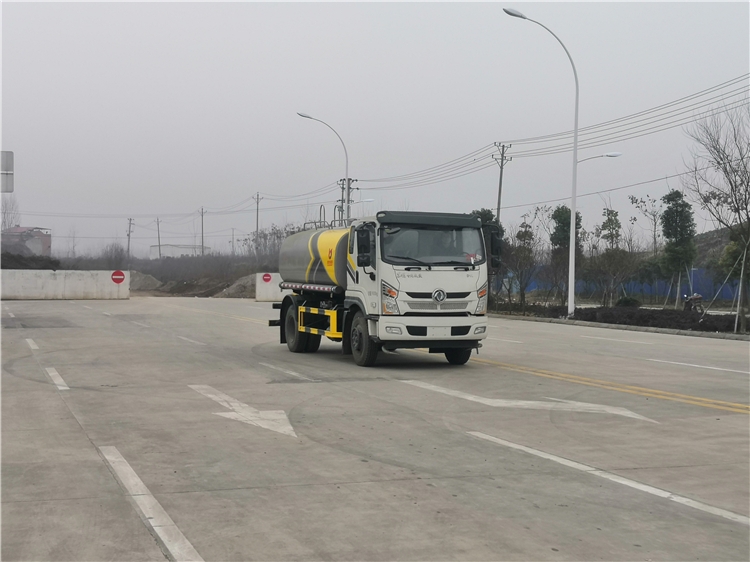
(193,288)
(243,288)
(142,282)
(18,261)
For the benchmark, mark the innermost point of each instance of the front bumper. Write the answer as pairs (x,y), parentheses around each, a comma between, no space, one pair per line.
(429,329)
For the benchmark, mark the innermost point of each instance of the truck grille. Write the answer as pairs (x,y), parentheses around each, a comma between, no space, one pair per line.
(429,295)
(434,306)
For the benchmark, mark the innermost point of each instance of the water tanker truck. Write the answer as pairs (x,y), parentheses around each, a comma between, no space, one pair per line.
(396,280)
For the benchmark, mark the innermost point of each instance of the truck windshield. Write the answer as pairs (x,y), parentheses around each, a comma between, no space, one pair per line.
(424,245)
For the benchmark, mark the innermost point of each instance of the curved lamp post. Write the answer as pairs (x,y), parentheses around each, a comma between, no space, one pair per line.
(347,202)
(606,155)
(572,254)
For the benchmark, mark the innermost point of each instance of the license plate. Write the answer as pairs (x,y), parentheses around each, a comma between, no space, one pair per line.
(438,332)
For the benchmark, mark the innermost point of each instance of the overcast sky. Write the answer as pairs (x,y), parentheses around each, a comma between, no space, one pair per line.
(118,110)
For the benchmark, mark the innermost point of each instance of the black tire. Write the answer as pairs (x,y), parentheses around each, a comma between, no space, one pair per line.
(364,350)
(458,356)
(313,343)
(296,341)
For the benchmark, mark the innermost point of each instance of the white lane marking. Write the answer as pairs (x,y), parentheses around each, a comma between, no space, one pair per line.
(292,373)
(619,479)
(139,324)
(106,314)
(509,341)
(191,341)
(151,512)
(612,339)
(557,405)
(698,366)
(57,379)
(275,420)
(31,343)
(11,315)
(84,306)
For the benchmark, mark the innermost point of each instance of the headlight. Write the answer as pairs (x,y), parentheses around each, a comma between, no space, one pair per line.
(390,306)
(482,304)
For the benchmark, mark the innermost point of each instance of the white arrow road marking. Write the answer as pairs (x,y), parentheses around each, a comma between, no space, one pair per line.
(619,479)
(152,513)
(275,420)
(557,405)
(288,372)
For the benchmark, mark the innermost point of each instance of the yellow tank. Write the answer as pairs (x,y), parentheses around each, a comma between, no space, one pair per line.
(316,257)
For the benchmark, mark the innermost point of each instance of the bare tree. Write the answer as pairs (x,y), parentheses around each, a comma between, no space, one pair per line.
(523,257)
(11,212)
(718,177)
(652,210)
(72,242)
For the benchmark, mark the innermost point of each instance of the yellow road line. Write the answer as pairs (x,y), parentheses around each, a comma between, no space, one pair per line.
(618,387)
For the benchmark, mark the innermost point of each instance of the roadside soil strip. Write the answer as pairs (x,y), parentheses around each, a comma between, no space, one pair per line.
(57,379)
(736,517)
(150,510)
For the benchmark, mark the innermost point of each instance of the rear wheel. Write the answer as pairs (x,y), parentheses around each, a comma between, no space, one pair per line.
(458,356)
(364,350)
(296,341)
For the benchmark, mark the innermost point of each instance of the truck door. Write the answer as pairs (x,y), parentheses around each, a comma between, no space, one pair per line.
(365,256)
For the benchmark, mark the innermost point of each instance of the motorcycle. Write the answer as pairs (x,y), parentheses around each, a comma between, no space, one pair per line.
(693,302)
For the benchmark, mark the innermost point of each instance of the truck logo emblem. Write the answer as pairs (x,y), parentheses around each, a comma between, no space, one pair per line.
(438,295)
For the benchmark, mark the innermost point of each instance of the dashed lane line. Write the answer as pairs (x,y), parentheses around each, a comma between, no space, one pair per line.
(106,314)
(11,315)
(613,339)
(508,341)
(736,517)
(140,324)
(32,344)
(84,306)
(191,341)
(288,372)
(698,366)
(151,512)
(57,379)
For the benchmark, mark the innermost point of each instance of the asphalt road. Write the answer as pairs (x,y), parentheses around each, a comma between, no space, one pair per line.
(135,430)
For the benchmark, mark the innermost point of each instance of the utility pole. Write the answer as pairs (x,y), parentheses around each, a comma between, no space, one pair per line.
(202,213)
(158,235)
(501,160)
(233,241)
(258,199)
(130,226)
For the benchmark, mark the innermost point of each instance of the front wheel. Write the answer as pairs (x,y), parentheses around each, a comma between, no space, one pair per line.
(458,356)
(364,350)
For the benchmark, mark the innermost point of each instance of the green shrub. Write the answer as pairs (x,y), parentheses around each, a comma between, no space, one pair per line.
(628,301)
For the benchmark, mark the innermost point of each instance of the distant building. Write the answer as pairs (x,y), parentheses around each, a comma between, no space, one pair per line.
(177,251)
(27,240)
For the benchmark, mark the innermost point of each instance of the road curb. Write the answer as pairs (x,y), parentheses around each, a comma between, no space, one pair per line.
(713,335)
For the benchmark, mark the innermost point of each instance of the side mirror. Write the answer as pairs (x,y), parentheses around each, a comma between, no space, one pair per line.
(364,258)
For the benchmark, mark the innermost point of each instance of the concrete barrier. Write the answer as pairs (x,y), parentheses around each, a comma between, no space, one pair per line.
(267,288)
(43,284)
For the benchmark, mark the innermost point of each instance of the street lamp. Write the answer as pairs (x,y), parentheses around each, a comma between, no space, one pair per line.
(572,254)
(606,155)
(346,155)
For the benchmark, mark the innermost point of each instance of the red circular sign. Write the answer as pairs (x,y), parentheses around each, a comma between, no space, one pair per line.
(118,276)
(267,277)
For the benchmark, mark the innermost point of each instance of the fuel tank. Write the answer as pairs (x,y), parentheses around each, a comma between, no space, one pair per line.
(316,256)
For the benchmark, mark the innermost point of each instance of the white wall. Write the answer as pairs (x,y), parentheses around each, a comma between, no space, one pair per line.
(42,284)
(268,291)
